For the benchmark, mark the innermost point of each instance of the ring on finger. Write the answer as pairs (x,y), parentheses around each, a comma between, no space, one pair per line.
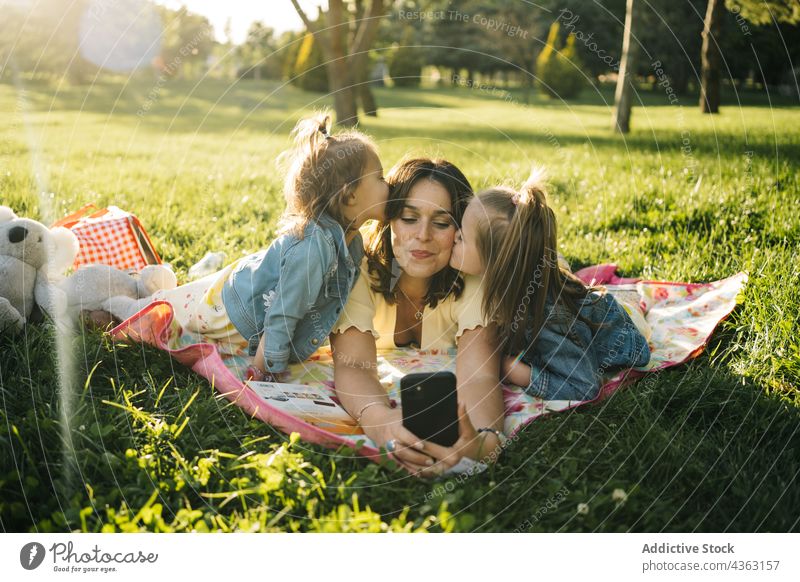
(391,445)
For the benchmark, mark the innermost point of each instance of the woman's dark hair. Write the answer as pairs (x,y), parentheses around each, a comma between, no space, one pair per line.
(402,178)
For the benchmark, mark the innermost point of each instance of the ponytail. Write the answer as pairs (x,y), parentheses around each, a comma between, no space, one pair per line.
(323,171)
(517,243)
(310,132)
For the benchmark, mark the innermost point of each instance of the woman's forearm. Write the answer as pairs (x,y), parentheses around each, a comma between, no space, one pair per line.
(478,373)
(357,390)
(355,373)
(484,400)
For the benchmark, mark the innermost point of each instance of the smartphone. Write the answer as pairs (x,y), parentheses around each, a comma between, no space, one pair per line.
(430,406)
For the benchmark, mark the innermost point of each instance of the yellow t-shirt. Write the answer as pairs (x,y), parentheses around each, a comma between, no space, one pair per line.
(367,310)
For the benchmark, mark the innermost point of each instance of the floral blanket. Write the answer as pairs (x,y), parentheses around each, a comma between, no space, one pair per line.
(682,317)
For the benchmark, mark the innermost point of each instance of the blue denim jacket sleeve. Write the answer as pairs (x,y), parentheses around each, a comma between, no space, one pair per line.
(302,275)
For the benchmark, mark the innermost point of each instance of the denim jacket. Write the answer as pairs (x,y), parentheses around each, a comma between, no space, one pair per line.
(569,359)
(293,291)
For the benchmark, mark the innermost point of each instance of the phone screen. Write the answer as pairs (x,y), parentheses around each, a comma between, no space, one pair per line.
(430,406)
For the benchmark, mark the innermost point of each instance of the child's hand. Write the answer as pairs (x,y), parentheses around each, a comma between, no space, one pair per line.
(258,375)
(253,373)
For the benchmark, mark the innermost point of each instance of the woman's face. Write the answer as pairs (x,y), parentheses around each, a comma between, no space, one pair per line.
(423,234)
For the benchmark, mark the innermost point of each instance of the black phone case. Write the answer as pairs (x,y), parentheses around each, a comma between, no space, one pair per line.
(430,406)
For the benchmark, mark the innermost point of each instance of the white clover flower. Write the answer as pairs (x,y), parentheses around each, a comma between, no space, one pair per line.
(619,496)
(583,508)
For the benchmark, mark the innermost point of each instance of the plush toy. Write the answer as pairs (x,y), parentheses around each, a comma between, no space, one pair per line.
(32,258)
(96,287)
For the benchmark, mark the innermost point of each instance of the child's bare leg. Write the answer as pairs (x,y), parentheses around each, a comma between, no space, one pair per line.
(515,372)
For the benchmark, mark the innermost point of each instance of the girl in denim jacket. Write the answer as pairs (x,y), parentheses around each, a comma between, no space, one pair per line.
(286,299)
(279,305)
(560,337)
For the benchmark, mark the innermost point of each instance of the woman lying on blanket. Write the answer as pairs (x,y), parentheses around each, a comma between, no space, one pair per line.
(562,337)
(408,295)
(280,304)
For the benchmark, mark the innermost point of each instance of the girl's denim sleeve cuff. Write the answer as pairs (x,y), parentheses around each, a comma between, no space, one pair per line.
(539,382)
(276,363)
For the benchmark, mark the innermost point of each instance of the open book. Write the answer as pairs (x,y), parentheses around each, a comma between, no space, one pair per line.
(313,404)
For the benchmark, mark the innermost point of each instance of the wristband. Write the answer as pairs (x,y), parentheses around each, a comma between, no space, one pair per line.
(503,438)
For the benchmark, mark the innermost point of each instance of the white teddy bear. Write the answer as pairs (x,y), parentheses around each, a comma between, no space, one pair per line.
(33,260)
(100,287)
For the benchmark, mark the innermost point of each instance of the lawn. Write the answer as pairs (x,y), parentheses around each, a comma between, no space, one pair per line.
(123,438)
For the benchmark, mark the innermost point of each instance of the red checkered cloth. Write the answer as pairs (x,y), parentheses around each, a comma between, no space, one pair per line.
(110,236)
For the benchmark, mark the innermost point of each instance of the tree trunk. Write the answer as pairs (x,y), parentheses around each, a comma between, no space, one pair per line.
(367,99)
(341,59)
(339,79)
(344,102)
(331,38)
(711,57)
(367,29)
(623,99)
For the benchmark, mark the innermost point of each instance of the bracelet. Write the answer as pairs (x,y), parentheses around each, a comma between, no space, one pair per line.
(363,408)
(502,437)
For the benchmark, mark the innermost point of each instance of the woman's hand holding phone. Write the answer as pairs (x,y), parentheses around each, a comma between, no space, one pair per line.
(383,424)
(419,457)
(470,444)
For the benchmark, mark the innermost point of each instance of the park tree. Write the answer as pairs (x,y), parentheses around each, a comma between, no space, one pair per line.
(514,43)
(758,12)
(360,60)
(623,98)
(761,12)
(670,35)
(186,42)
(345,41)
(258,53)
(308,72)
(711,57)
(42,39)
(559,70)
(453,42)
(762,54)
(405,64)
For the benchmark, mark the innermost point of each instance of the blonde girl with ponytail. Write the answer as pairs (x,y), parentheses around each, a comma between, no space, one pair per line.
(286,299)
(279,304)
(559,337)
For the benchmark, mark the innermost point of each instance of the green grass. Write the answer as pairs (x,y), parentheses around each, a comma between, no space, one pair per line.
(137,442)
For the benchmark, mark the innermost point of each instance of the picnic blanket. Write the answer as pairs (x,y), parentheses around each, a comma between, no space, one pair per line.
(682,317)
